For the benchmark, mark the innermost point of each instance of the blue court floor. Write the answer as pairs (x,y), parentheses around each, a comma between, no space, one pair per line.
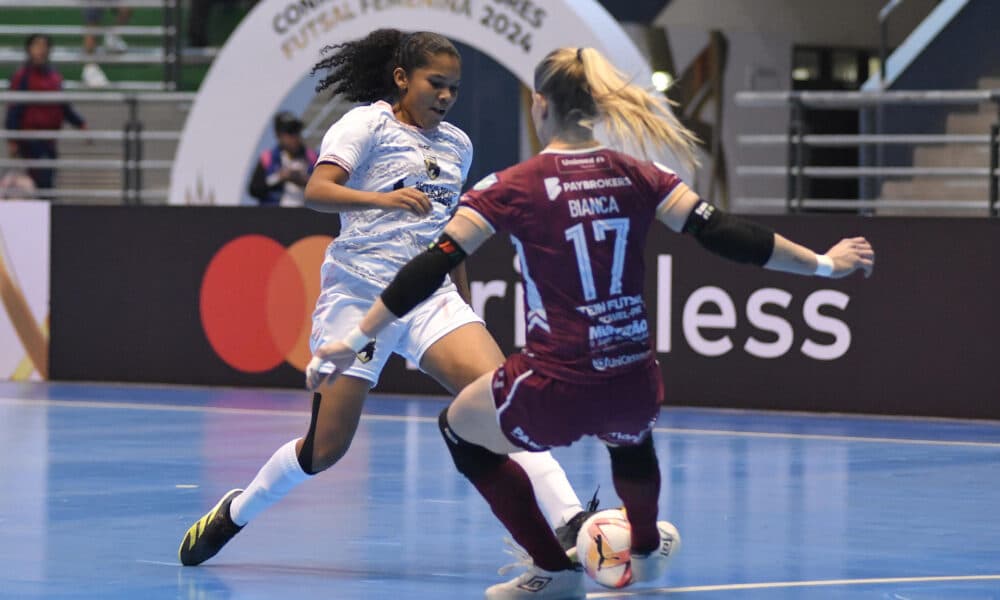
(99,483)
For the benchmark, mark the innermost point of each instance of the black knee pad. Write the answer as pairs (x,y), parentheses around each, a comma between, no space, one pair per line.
(634,462)
(306,453)
(472,460)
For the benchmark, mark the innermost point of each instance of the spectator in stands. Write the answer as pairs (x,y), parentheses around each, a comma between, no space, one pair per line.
(92,75)
(283,170)
(37,75)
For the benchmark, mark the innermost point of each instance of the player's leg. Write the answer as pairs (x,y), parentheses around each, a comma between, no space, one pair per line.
(636,475)
(635,471)
(336,411)
(456,359)
(480,451)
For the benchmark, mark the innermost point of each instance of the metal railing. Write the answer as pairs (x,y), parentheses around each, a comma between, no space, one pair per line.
(88,3)
(76,30)
(796,140)
(170,54)
(133,137)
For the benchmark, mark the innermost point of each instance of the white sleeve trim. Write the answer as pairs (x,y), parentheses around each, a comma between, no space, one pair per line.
(489,224)
(332,159)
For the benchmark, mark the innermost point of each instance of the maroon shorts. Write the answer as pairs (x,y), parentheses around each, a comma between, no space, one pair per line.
(537,412)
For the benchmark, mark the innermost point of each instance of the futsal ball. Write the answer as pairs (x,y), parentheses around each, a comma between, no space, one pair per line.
(602,546)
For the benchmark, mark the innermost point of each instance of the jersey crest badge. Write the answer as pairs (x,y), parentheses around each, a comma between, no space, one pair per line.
(433,168)
(367,353)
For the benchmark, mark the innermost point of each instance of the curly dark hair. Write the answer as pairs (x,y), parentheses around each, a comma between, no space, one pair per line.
(362,69)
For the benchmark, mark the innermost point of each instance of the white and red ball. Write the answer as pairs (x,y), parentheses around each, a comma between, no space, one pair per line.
(603,548)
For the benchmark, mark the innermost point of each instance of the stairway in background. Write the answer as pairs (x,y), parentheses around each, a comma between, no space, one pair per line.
(139,70)
(965,190)
(155,116)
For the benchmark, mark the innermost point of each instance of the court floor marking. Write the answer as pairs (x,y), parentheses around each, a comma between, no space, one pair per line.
(795,584)
(754,586)
(161,563)
(411,418)
(734,587)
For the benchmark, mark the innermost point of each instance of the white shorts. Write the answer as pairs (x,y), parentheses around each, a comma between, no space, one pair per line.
(342,305)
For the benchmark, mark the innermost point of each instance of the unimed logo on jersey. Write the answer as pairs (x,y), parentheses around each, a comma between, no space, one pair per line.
(573,164)
(257,298)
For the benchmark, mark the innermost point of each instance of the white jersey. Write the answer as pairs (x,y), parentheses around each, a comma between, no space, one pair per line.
(382,154)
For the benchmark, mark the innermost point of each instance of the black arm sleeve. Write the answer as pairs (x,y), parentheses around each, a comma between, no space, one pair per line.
(422,276)
(728,236)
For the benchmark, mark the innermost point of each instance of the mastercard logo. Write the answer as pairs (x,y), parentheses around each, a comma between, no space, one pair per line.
(257,299)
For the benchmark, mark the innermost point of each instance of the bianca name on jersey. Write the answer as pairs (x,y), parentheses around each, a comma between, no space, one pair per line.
(600,205)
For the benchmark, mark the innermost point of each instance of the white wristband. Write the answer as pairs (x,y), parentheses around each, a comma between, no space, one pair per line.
(824,265)
(356,339)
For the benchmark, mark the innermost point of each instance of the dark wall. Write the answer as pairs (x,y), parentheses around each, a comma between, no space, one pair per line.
(126,289)
(490,124)
(918,338)
(967,50)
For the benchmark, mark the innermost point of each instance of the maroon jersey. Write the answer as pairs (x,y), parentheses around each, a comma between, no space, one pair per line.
(579,222)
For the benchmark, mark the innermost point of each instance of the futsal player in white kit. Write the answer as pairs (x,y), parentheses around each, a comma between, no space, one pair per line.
(394,170)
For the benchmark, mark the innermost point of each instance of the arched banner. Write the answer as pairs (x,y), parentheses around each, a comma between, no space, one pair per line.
(279,41)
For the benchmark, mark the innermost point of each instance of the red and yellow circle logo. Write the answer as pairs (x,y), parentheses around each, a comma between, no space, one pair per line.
(257,299)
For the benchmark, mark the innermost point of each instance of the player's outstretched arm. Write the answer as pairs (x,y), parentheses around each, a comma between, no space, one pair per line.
(413,284)
(847,256)
(743,240)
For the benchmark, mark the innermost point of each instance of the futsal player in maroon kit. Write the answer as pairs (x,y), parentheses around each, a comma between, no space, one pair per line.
(578,215)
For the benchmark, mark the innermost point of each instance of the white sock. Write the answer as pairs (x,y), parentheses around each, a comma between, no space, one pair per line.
(277,477)
(555,495)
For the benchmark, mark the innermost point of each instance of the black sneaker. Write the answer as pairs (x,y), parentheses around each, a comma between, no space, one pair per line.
(567,533)
(210,533)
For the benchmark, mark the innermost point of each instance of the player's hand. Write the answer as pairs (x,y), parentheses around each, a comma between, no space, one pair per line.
(330,360)
(322,371)
(406,198)
(318,371)
(338,353)
(11,148)
(850,255)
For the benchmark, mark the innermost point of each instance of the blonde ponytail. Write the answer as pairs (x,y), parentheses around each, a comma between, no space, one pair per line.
(633,115)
